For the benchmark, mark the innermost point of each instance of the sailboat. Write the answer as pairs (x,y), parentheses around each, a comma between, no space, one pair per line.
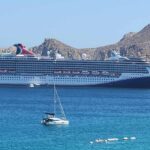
(52,118)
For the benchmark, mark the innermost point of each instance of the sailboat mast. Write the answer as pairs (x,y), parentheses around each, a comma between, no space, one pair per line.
(54,99)
(60,105)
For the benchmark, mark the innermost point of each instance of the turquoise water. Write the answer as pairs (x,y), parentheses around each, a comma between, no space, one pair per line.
(93,113)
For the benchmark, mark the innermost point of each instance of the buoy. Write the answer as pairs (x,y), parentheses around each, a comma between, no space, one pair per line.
(112,139)
(99,140)
(91,142)
(106,141)
(125,138)
(133,138)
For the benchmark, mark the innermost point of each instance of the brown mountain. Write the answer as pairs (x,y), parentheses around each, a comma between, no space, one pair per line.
(132,44)
(53,45)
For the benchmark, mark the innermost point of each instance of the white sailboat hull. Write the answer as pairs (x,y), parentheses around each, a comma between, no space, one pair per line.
(55,121)
(60,122)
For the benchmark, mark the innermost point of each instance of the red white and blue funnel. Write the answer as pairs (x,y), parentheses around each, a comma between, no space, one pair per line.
(21,49)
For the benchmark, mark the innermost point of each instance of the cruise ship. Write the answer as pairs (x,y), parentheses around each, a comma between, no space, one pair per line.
(25,68)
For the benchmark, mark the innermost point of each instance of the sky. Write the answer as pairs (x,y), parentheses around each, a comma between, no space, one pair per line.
(79,23)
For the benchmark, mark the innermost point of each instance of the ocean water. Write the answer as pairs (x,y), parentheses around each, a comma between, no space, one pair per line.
(93,113)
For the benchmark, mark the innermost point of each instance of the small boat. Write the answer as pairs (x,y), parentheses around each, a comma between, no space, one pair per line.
(51,118)
(31,85)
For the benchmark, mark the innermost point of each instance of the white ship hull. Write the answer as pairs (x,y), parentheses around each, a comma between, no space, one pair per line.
(67,80)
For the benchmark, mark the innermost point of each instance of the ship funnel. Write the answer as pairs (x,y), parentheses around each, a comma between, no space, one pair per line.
(21,49)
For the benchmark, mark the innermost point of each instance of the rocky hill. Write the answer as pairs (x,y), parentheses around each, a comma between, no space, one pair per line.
(50,46)
(132,44)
